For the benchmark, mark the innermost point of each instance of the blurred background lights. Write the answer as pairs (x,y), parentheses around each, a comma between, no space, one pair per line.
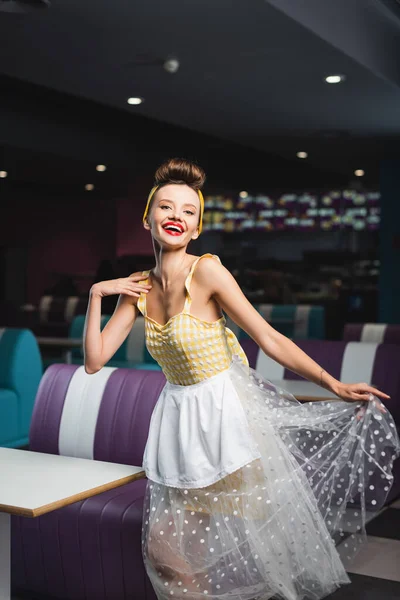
(335,78)
(302,155)
(359,173)
(89,187)
(135,100)
(101,168)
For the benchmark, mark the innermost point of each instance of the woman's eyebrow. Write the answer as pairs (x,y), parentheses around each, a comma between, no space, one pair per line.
(172,202)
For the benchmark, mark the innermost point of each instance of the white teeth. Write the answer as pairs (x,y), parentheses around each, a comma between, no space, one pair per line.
(173,228)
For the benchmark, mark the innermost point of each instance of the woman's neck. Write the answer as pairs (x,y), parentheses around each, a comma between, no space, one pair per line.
(169,264)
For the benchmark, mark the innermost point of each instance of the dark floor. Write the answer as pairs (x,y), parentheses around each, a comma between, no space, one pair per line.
(375,573)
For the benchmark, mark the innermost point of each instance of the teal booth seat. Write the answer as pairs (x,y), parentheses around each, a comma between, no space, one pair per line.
(296,321)
(131,354)
(20,374)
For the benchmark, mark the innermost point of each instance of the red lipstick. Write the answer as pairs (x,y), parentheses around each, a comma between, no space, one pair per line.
(173,228)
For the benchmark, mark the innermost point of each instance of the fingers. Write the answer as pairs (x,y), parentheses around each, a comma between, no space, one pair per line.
(380,394)
(356,397)
(129,292)
(360,413)
(137,277)
(374,390)
(143,286)
(378,403)
(368,397)
(367,393)
(140,288)
(134,289)
(375,398)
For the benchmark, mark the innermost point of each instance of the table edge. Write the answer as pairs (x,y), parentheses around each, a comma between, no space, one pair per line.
(41,510)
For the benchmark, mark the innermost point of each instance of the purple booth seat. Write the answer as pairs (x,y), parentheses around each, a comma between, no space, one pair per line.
(376,364)
(90,550)
(380,333)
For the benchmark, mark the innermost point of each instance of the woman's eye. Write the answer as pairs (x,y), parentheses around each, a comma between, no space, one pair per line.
(163,206)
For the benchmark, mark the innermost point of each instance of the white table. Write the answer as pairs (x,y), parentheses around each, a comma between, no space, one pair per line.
(305,390)
(33,483)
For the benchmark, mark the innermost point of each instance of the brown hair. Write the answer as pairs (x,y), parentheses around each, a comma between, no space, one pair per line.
(181,171)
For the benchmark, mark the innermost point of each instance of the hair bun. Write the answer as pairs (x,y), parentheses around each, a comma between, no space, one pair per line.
(180,170)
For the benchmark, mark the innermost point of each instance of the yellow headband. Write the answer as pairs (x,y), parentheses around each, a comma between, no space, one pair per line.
(153,191)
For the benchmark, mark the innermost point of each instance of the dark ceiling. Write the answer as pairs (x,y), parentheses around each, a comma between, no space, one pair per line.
(251,71)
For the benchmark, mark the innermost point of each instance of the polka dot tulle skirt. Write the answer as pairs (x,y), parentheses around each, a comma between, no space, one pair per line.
(286,524)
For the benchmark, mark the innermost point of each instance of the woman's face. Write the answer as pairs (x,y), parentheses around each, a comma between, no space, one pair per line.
(174,215)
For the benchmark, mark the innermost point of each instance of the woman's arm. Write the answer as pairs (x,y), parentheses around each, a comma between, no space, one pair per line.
(100,346)
(230,297)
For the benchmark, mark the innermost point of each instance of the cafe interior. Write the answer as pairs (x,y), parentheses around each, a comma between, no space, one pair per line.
(292,109)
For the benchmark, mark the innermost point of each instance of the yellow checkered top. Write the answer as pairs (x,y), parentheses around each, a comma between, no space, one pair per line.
(187,348)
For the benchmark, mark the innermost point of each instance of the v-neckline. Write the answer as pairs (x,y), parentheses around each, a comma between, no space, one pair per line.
(169,320)
(187,295)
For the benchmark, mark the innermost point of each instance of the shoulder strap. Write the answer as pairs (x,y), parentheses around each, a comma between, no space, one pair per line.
(141,303)
(188,279)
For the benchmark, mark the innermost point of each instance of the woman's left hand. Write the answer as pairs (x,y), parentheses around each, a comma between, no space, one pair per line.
(356,392)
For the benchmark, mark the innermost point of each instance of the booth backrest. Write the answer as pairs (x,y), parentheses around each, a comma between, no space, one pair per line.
(60,310)
(20,372)
(380,333)
(349,362)
(298,321)
(308,321)
(20,359)
(104,416)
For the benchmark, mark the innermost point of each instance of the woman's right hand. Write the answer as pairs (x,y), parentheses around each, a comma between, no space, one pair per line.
(129,286)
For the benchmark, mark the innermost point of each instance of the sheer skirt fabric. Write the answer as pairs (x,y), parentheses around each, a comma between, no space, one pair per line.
(270,528)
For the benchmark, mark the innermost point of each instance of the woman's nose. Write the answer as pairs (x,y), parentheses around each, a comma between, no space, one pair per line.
(176,215)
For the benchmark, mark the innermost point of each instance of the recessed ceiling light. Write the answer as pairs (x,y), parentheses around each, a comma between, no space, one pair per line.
(3,174)
(101,168)
(135,100)
(335,78)
(89,187)
(244,194)
(302,155)
(359,173)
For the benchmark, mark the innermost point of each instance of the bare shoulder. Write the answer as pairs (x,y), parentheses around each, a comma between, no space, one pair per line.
(210,272)
(207,262)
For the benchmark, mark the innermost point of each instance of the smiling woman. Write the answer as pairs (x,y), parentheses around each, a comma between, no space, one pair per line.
(168,206)
(248,490)
(171,211)
(178,172)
